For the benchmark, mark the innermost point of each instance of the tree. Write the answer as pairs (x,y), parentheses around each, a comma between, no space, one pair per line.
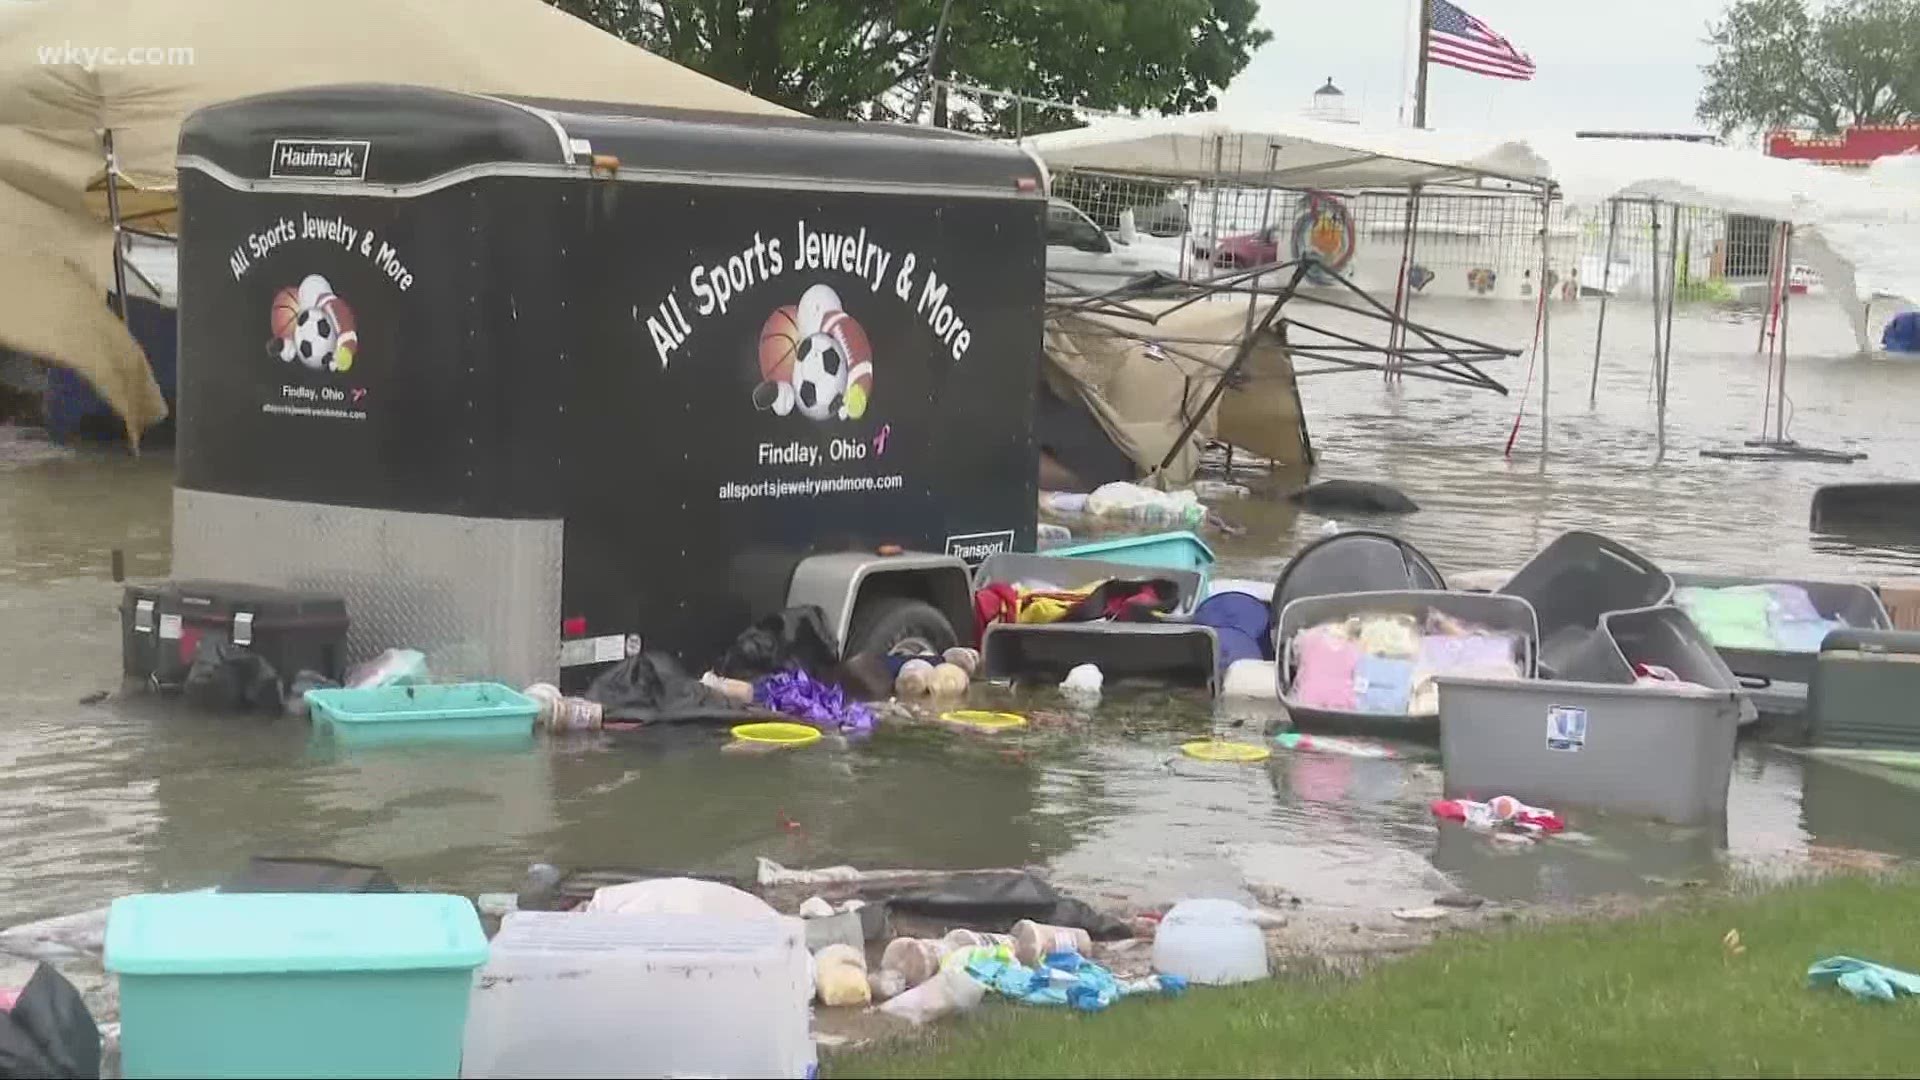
(869,58)
(1779,64)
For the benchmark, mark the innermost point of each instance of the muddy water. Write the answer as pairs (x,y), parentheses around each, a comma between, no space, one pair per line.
(96,801)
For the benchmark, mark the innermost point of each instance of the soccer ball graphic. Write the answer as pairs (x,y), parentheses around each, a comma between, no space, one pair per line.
(819,377)
(314,338)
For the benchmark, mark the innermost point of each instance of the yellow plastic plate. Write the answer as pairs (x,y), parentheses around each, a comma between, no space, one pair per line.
(777,734)
(982,720)
(1214,750)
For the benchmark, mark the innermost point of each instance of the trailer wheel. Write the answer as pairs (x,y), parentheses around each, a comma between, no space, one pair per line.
(900,624)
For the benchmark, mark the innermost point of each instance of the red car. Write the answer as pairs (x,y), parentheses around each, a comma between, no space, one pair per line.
(1249,249)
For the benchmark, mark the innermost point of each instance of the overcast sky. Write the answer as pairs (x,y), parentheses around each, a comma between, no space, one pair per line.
(1616,64)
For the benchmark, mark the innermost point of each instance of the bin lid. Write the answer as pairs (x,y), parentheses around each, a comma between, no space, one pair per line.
(254,933)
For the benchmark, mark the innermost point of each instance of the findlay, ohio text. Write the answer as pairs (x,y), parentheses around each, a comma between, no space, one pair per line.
(801,453)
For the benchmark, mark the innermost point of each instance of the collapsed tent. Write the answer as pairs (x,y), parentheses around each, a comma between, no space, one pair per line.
(1861,232)
(56,263)
(1143,384)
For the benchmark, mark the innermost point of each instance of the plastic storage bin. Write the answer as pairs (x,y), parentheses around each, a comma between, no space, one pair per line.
(1855,605)
(1503,614)
(1658,751)
(1357,560)
(1865,685)
(162,625)
(405,713)
(283,985)
(1575,580)
(1210,942)
(1013,568)
(1172,550)
(593,994)
(1659,636)
(1183,654)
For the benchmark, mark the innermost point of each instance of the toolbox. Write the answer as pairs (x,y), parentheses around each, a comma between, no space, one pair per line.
(161,626)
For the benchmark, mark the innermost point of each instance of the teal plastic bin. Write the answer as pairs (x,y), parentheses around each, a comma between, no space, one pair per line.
(283,985)
(468,711)
(1174,550)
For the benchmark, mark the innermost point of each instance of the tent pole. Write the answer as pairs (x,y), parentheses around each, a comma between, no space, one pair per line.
(113,213)
(1665,360)
(1402,292)
(1786,294)
(1654,212)
(1606,281)
(1546,313)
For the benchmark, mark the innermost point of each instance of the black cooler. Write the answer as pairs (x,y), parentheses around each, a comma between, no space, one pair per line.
(1865,684)
(162,625)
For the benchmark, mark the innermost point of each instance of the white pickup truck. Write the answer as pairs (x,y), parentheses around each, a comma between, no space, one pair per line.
(1083,256)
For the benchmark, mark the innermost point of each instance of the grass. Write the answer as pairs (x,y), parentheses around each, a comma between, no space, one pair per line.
(1658,994)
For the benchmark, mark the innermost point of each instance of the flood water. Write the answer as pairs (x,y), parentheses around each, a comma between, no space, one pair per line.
(136,794)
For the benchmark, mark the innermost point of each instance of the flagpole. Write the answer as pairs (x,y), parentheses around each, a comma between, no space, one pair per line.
(1420,81)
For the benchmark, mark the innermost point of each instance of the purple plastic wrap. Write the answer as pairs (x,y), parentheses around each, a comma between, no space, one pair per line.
(805,698)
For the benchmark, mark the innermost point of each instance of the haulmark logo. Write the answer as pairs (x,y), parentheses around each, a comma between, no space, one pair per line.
(319,159)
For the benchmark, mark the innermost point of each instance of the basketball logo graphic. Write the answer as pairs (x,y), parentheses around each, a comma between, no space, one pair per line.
(815,360)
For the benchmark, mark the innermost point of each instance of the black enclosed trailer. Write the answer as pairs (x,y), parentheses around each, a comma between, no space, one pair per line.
(536,383)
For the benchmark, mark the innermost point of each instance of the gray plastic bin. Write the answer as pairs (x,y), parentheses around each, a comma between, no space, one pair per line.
(1502,614)
(1575,580)
(1662,752)
(1856,605)
(1012,568)
(1185,654)
(1661,636)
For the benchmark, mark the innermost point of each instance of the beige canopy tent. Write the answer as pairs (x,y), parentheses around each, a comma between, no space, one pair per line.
(72,69)
(1142,394)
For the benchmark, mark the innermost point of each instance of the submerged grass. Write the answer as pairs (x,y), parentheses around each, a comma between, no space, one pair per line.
(1664,993)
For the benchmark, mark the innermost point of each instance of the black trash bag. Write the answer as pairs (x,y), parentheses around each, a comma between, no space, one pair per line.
(651,688)
(995,900)
(795,638)
(225,676)
(49,1032)
(272,874)
(296,698)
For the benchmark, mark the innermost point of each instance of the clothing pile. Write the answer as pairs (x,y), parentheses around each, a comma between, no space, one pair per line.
(1663,677)
(1387,664)
(1772,616)
(1499,812)
(1143,600)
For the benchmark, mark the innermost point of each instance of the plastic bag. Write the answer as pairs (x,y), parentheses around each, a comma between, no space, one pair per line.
(949,992)
(49,1031)
(296,702)
(1131,502)
(395,667)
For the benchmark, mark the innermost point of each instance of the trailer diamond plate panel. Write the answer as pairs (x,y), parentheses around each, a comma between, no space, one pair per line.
(479,596)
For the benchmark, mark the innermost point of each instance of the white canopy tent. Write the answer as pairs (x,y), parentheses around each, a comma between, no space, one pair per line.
(1828,208)
(1861,232)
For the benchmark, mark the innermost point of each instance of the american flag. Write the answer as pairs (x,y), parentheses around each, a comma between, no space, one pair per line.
(1459,40)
